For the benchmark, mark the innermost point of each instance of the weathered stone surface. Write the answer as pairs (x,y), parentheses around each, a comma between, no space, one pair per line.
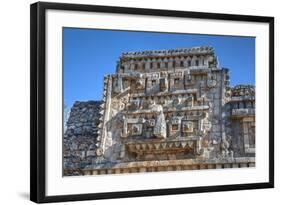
(167,110)
(81,136)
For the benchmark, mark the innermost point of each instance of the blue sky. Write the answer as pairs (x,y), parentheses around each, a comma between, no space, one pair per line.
(89,54)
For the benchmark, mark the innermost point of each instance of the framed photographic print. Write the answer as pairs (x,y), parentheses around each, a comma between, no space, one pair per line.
(129,102)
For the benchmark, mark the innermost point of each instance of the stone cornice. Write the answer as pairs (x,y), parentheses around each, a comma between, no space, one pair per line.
(171,52)
(178,162)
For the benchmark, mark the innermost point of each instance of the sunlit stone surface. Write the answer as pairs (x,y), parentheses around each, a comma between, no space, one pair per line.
(164,110)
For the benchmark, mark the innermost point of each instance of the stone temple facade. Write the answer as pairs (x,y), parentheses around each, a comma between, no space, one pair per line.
(163,110)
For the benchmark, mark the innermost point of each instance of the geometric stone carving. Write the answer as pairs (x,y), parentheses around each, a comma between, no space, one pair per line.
(163,84)
(169,107)
(187,126)
(135,129)
(151,123)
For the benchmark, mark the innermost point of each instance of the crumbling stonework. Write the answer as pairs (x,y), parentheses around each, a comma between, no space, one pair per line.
(163,111)
(80,137)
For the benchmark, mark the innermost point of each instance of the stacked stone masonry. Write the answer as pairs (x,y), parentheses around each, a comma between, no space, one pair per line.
(163,111)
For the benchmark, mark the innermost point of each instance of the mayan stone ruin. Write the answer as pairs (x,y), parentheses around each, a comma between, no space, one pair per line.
(163,110)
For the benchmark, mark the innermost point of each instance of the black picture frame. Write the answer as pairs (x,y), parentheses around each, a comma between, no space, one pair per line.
(38,101)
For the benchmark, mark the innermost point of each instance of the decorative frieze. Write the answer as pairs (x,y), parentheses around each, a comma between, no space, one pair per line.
(165,110)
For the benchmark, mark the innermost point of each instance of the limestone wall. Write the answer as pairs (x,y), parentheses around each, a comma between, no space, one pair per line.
(80,136)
